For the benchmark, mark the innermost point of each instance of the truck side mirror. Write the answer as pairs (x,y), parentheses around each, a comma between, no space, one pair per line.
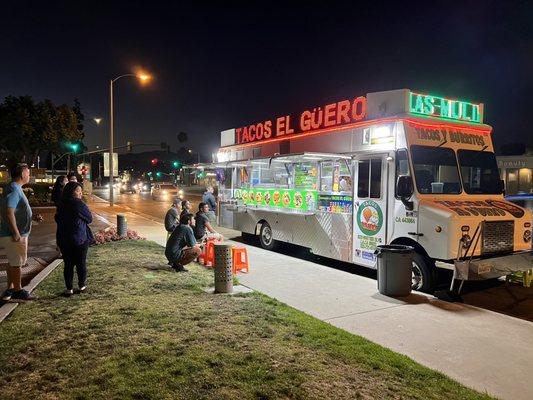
(404,190)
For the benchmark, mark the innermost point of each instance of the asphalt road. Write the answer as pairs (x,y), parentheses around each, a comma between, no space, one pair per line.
(144,204)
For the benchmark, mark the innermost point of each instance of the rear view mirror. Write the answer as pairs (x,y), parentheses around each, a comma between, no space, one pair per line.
(404,186)
(404,190)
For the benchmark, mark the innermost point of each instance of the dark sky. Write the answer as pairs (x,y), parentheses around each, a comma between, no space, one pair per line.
(225,64)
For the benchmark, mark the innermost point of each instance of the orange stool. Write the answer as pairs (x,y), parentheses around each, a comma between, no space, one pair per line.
(209,253)
(240,259)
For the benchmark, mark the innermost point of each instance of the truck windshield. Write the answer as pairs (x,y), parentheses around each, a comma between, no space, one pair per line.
(435,170)
(479,171)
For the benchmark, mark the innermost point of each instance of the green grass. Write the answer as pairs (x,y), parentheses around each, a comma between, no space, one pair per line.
(144,332)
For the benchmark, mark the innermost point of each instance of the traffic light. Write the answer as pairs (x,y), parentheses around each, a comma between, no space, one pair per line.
(176,164)
(154,161)
(74,147)
(158,174)
(149,174)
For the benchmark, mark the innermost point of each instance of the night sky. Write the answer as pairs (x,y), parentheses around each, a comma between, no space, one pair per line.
(222,65)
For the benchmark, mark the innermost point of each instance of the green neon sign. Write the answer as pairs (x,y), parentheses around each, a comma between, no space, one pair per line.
(441,107)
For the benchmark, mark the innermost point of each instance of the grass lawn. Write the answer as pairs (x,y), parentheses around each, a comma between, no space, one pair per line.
(144,332)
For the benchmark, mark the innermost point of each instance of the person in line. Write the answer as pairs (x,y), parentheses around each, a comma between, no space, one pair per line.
(209,198)
(74,235)
(172,217)
(71,176)
(60,183)
(182,247)
(15,227)
(203,229)
(186,208)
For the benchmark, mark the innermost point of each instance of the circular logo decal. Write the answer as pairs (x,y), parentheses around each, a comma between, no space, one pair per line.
(369,218)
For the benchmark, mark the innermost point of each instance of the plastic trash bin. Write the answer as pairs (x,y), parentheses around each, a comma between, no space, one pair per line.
(394,265)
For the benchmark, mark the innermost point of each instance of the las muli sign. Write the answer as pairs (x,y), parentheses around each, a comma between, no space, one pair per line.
(441,107)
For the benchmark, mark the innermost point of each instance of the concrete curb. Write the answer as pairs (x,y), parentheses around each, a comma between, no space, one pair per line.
(7,308)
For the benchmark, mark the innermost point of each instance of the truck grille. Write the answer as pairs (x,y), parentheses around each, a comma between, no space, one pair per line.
(498,237)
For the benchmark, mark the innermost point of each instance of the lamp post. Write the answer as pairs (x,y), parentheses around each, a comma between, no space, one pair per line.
(197,156)
(143,78)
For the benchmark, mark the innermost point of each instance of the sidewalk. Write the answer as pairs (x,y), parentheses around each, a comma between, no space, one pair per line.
(484,350)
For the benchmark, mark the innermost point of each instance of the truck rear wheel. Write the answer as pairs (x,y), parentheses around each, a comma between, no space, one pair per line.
(266,237)
(423,274)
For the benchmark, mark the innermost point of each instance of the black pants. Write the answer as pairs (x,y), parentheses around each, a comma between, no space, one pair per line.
(75,256)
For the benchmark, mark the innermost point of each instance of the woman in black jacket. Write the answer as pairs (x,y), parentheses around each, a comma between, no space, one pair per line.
(74,235)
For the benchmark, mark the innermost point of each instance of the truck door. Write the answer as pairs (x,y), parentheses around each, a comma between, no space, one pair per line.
(369,209)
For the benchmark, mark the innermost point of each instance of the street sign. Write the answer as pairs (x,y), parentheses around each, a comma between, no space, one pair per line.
(106,164)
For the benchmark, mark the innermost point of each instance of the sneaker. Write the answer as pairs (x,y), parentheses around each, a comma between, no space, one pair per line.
(82,289)
(68,292)
(23,295)
(6,296)
(179,268)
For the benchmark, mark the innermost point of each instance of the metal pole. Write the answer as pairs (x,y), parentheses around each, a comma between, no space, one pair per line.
(53,167)
(111,178)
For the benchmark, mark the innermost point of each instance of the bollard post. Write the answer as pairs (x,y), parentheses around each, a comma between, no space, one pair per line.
(223,268)
(122,225)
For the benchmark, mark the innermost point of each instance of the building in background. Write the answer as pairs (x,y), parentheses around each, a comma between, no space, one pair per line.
(517,173)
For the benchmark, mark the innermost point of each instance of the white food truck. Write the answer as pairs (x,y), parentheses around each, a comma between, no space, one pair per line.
(394,167)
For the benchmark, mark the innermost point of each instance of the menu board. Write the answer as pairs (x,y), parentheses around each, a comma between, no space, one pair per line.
(305,176)
(335,203)
(304,200)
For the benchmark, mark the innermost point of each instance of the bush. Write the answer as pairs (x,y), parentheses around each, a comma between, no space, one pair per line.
(111,235)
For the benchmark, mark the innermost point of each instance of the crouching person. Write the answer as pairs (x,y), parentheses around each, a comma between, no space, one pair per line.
(202,227)
(181,246)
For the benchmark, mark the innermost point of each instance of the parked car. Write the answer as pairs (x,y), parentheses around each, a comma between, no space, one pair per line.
(127,187)
(141,186)
(165,191)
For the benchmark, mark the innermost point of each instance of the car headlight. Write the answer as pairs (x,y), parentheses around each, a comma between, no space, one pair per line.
(165,192)
(124,187)
(180,191)
(527,236)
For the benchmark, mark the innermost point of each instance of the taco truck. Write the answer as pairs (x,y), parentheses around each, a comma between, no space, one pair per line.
(393,167)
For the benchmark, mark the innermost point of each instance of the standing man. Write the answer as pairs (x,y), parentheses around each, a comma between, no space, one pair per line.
(209,198)
(181,247)
(172,217)
(15,226)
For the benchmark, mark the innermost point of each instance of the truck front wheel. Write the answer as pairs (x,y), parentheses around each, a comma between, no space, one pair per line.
(266,237)
(423,274)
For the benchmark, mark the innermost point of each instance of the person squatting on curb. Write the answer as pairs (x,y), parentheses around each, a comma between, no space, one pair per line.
(181,247)
(74,235)
(15,227)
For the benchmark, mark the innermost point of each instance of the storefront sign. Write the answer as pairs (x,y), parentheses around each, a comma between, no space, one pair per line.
(328,116)
(303,200)
(445,108)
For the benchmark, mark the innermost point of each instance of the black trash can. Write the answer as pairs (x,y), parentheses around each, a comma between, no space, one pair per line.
(394,265)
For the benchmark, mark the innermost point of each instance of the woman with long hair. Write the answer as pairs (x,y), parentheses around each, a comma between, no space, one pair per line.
(74,235)
(60,183)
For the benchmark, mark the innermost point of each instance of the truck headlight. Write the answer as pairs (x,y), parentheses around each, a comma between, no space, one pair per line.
(467,240)
(180,191)
(527,236)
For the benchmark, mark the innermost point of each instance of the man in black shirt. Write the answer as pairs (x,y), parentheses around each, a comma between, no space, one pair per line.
(181,246)
(203,228)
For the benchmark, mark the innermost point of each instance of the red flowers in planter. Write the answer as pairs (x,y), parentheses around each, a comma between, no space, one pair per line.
(111,235)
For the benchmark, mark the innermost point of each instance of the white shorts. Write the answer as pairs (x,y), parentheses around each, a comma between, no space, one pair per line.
(17,252)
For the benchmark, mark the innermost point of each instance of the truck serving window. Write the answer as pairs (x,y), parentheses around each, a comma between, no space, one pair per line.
(479,171)
(435,170)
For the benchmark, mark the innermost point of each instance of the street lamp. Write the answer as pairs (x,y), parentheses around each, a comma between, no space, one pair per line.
(143,78)
(197,156)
